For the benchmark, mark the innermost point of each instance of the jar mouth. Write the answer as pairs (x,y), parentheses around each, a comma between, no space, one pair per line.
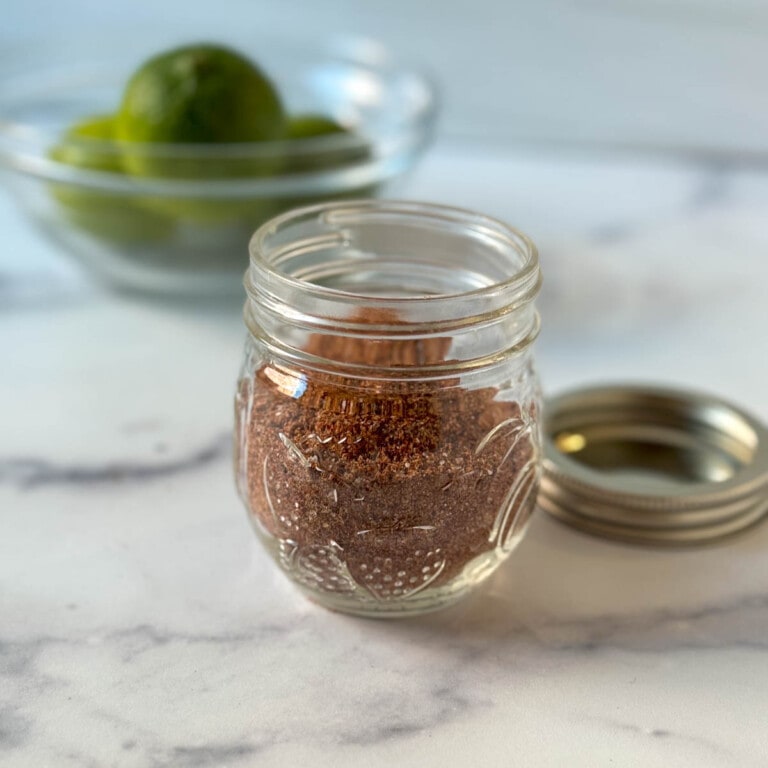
(378,287)
(412,260)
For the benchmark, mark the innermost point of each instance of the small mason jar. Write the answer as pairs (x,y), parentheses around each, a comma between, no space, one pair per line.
(387,414)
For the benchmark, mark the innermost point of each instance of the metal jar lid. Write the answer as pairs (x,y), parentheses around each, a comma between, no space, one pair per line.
(652,465)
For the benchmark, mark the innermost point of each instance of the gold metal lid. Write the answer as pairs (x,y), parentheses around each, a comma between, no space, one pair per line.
(652,465)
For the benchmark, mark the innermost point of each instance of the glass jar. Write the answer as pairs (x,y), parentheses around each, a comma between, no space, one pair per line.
(387,413)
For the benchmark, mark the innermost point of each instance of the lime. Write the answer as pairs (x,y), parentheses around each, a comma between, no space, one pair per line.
(197,94)
(309,126)
(206,96)
(100,154)
(319,157)
(316,158)
(89,145)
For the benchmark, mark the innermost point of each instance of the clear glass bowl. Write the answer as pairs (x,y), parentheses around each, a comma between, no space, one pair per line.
(190,235)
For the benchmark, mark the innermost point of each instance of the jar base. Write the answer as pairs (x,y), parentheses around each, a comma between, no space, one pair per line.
(360,602)
(429,603)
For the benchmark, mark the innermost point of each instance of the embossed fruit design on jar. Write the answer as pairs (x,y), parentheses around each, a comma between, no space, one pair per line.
(387,434)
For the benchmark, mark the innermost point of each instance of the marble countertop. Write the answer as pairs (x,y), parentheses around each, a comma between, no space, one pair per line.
(142,626)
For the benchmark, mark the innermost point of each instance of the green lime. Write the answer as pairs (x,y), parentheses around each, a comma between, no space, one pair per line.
(201,95)
(310,126)
(89,145)
(198,94)
(313,158)
(316,158)
(100,154)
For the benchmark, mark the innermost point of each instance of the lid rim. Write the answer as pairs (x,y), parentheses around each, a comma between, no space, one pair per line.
(701,498)
(668,537)
(647,518)
(691,427)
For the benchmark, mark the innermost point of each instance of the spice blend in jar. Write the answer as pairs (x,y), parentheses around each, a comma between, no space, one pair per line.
(385,476)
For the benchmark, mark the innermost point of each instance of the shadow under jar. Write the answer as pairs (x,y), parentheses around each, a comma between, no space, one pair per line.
(387,414)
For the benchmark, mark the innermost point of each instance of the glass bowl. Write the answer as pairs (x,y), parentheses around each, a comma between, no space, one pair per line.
(187,232)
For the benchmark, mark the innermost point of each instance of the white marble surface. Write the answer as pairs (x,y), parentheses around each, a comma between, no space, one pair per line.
(142,626)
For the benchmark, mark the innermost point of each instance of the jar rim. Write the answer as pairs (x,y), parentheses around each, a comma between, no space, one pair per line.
(521,286)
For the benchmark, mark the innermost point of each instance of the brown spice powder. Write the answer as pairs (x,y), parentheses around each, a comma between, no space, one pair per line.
(388,487)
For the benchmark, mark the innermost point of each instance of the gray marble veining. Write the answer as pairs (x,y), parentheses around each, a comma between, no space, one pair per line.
(28,473)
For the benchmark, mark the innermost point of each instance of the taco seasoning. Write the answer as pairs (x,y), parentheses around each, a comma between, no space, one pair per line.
(387,413)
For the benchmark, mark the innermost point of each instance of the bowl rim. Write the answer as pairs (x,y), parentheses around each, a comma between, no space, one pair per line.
(25,147)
